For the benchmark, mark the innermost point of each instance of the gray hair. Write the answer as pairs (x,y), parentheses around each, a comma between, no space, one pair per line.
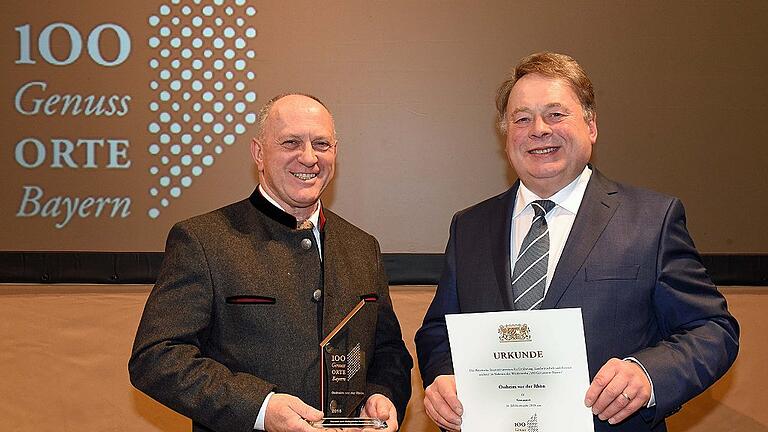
(263,114)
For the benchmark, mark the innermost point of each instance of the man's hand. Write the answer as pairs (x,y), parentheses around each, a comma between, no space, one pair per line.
(442,404)
(286,413)
(380,407)
(619,389)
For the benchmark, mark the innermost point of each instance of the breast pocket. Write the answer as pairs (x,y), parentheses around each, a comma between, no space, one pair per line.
(595,273)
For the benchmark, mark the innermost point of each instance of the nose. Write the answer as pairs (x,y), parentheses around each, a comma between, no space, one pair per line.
(307,157)
(540,128)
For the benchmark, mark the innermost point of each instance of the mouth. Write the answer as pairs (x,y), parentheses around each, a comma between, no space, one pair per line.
(543,151)
(304,176)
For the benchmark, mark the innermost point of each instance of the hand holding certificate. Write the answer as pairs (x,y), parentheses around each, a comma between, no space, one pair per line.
(521,371)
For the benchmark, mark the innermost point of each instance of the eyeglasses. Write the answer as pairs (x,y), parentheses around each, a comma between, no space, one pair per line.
(319,146)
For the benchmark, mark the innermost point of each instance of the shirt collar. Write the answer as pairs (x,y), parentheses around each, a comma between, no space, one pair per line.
(261,200)
(567,198)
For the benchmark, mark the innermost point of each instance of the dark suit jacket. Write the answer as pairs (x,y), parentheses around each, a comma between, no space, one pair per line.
(232,315)
(629,264)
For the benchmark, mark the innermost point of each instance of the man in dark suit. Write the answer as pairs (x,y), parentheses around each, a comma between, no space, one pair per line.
(230,333)
(657,330)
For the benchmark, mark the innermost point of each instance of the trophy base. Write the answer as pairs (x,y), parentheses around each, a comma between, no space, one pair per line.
(349,422)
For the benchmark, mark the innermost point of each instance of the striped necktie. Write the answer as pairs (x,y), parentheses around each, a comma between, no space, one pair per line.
(530,274)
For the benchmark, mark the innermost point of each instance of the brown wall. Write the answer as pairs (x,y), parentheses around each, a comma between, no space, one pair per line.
(64,349)
(681,94)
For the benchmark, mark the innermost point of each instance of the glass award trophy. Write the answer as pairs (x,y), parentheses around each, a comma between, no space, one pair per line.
(343,374)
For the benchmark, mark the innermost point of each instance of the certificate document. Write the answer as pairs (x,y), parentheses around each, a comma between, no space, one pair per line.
(521,371)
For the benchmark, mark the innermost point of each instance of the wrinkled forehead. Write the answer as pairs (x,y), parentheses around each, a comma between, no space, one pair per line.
(300,115)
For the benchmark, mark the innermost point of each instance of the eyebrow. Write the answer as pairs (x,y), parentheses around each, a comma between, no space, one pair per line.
(528,110)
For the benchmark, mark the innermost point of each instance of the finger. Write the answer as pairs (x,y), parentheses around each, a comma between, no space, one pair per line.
(437,417)
(305,411)
(445,411)
(601,380)
(632,405)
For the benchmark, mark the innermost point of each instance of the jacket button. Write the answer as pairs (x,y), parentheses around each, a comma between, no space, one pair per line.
(317,294)
(306,244)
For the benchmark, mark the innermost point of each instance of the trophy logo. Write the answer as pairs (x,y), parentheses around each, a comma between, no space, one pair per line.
(514,333)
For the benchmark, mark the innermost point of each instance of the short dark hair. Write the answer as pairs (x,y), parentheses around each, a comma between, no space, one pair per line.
(550,65)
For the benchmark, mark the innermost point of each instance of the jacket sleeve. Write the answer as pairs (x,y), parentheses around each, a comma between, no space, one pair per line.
(699,337)
(390,371)
(168,361)
(433,349)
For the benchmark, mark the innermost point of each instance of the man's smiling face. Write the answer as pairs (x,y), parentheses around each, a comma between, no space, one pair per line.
(549,140)
(296,154)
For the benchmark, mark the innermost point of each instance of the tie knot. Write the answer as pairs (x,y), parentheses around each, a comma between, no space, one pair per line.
(305,224)
(542,207)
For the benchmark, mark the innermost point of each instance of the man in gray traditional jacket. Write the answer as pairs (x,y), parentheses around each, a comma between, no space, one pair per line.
(230,333)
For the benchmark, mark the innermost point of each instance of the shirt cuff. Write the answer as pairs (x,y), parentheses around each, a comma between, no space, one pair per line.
(259,425)
(652,400)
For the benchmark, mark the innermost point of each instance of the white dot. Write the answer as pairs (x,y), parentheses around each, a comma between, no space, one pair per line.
(197,42)
(240,107)
(197,149)
(175,64)
(164,160)
(165,10)
(250,96)
(153,106)
(197,170)
(165,96)
(197,128)
(208,96)
(239,129)
(154,149)
(165,52)
(175,20)
(218,85)
(218,107)
(164,202)
(229,118)
(186,181)
(229,11)
(186,53)
(239,2)
(175,149)
(229,139)
(218,128)
(175,192)
(218,43)
(186,160)
(229,96)
(154,170)
(165,181)
(186,32)
(154,42)
(207,53)
(207,160)
(250,11)
(153,213)
(186,139)
(165,74)
(239,86)
(197,106)
(240,64)
(197,21)
(175,85)
(250,54)
(154,20)
(154,128)
(175,128)
(250,118)
(207,118)
(218,149)
(186,117)
(208,139)
(250,32)
(175,42)
(229,32)
(165,117)
(197,85)
(165,139)
(207,32)
(218,21)
(240,22)
(154,63)
(186,74)
(153,191)
(229,75)
(251,75)
(186,10)
(165,31)
(175,170)
(229,54)
(240,43)
(208,11)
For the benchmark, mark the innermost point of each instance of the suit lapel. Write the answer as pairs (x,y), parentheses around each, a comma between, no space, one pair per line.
(500,242)
(597,208)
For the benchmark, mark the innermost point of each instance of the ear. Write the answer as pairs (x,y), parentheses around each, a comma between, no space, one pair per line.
(257,152)
(592,126)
